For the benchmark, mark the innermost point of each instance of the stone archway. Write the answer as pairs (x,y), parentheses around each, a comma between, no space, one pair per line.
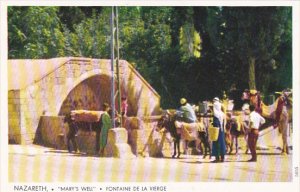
(39,103)
(89,94)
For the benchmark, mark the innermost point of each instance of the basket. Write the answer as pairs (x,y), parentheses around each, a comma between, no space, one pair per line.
(213,133)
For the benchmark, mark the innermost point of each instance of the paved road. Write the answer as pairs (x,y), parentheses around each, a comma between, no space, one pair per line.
(33,163)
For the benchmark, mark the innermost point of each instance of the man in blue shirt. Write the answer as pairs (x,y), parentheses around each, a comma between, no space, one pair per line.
(189,115)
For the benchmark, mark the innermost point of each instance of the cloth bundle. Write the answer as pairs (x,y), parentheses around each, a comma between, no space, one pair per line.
(188,130)
(86,115)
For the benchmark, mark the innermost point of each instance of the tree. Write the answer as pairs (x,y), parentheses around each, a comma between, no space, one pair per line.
(201,51)
(72,16)
(34,32)
(283,59)
(255,35)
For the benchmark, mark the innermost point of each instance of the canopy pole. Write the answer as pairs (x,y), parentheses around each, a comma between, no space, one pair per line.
(112,66)
(115,59)
(118,66)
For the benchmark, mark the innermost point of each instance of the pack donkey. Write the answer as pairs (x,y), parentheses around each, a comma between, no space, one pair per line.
(83,120)
(172,122)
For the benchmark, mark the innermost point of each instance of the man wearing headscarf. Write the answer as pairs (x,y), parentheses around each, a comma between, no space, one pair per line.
(218,146)
(189,115)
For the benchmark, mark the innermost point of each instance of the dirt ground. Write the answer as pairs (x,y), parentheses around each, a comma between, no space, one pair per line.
(32,163)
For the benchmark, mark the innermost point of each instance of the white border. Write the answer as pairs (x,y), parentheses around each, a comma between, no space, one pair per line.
(190,186)
(3,100)
(150,2)
(296,87)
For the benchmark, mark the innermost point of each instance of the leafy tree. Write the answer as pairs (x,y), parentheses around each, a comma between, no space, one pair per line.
(210,63)
(192,52)
(72,16)
(254,33)
(34,32)
(283,60)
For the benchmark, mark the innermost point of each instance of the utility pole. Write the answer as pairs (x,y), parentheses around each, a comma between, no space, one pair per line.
(115,57)
(118,66)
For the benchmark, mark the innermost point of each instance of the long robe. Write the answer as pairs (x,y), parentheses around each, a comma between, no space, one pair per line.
(219,146)
(105,126)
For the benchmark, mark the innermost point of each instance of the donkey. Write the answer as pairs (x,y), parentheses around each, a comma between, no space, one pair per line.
(86,126)
(171,121)
(232,133)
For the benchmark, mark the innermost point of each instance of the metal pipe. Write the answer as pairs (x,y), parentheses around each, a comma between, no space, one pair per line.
(112,67)
(117,65)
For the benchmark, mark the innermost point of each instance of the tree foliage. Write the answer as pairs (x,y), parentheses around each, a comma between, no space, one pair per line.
(192,52)
(34,32)
(255,34)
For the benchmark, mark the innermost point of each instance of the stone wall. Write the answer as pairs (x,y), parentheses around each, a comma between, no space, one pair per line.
(49,95)
(142,137)
(51,132)
(14,119)
(142,98)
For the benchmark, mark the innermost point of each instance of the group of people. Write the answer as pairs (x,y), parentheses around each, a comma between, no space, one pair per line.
(253,120)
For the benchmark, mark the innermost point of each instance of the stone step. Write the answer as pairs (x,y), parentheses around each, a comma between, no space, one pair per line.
(117,145)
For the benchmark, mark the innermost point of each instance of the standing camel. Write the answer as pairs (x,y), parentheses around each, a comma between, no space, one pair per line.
(280,111)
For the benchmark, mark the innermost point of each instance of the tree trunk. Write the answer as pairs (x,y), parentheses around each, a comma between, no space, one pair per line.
(251,63)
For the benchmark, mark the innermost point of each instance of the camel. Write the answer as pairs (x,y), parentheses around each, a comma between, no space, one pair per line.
(280,111)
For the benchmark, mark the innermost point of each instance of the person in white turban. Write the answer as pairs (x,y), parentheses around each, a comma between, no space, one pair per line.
(218,146)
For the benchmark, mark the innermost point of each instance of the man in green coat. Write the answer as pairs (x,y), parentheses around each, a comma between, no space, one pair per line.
(105,126)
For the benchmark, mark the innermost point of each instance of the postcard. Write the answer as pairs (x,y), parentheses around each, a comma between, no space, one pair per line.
(149,96)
